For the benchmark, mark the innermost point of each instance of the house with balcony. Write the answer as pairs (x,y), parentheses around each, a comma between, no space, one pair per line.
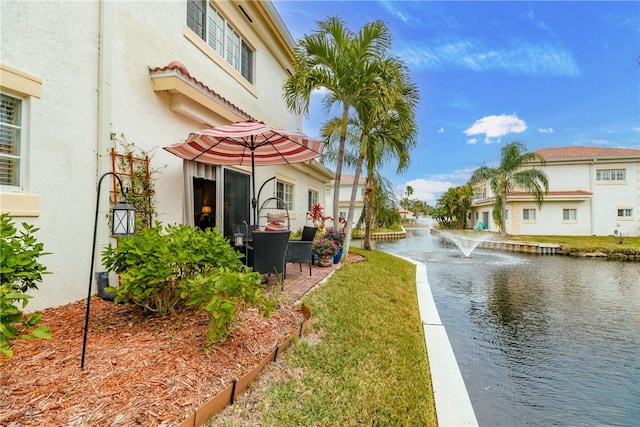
(593,191)
(149,73)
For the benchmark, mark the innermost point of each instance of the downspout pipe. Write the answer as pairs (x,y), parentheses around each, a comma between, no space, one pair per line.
(103,110)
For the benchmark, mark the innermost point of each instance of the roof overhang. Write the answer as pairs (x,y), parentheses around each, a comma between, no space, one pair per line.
(192,99)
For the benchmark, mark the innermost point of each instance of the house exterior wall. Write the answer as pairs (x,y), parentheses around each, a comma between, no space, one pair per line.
(346,186)
(573,185)
(89,90)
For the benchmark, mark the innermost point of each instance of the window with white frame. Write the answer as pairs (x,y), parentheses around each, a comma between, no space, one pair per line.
(312,199)
(212,27)
(506,214)
(569,214)
(285,191)
(528,214)
(625,212)
(10,140)
(608,175)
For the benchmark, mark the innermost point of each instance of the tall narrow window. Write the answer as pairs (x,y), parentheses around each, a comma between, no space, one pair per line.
(196,16)
(10,132)
(285,191)
(312,199)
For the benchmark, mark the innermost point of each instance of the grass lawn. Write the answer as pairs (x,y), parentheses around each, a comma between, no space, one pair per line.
(604,243)
(364,361)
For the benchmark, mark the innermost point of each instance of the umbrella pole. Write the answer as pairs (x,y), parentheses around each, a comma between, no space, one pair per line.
(254,201)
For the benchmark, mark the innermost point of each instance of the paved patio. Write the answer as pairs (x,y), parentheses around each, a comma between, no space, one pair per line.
(298,283)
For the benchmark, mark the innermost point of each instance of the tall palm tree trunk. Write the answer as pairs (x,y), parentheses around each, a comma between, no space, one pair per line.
(339,161)
(352,203)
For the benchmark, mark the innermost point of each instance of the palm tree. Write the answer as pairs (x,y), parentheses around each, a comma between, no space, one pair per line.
(510,174)
(386,125)
(345,64)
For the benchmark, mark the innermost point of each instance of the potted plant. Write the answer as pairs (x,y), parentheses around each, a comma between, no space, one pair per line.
(338,237)
(326,249)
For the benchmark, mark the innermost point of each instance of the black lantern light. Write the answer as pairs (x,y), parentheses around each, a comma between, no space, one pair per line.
(123,224)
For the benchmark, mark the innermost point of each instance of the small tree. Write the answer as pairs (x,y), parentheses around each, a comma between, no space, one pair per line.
(20,271)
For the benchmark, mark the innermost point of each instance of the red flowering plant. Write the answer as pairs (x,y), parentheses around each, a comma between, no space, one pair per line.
(318,217)
(325,247)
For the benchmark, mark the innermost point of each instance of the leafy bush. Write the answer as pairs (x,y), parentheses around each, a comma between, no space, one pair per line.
(166,270)
(20,271)
(221,294)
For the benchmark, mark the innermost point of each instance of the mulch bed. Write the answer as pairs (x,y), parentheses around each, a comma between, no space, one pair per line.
(138,370)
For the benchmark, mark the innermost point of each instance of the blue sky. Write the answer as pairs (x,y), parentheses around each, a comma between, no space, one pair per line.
(546,73)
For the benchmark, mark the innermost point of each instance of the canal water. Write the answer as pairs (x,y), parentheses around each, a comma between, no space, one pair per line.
(540,340)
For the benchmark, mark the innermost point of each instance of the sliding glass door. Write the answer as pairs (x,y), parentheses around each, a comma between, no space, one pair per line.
(237,199)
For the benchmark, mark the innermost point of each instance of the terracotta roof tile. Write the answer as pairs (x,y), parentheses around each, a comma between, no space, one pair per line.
(579,152)
(182,69)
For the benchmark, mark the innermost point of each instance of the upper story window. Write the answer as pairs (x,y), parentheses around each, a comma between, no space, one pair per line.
(285,191)
(214,29)
(610,175)
(10,141)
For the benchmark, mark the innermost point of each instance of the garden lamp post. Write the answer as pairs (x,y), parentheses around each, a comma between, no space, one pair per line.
(122,225)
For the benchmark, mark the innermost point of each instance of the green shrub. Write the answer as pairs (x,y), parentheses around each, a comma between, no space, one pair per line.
(221,294)
(20,271)
(167,270)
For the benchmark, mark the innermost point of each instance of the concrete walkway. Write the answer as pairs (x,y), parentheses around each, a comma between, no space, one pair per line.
(453,406)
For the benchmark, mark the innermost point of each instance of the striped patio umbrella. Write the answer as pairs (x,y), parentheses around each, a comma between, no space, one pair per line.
(247,142)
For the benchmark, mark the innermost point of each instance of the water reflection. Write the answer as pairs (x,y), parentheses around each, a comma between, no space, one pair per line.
(541,340)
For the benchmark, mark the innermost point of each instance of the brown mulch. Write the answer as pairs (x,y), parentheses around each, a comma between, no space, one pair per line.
(138,370)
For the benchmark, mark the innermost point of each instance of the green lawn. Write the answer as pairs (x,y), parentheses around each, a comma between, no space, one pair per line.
(366,363)
(606,243)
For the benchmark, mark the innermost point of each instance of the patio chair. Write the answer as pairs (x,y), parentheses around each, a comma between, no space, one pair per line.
(268,251)
(300,250)
(273,215)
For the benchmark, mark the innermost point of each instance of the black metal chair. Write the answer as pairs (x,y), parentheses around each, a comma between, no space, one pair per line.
(300,250)
(268,251)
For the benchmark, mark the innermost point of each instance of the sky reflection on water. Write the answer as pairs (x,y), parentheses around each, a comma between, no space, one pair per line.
(540,340)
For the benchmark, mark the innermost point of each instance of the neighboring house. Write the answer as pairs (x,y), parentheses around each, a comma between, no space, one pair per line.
(152,71)
(592,191)
(406,215)
(346,186)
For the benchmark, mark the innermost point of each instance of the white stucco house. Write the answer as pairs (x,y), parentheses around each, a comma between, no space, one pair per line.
(346,186)
(153,72)
(592,191)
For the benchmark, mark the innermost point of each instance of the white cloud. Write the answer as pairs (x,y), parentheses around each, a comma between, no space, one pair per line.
(441,130)
(545,130)
(496,127)
(472,140)
(518,57)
